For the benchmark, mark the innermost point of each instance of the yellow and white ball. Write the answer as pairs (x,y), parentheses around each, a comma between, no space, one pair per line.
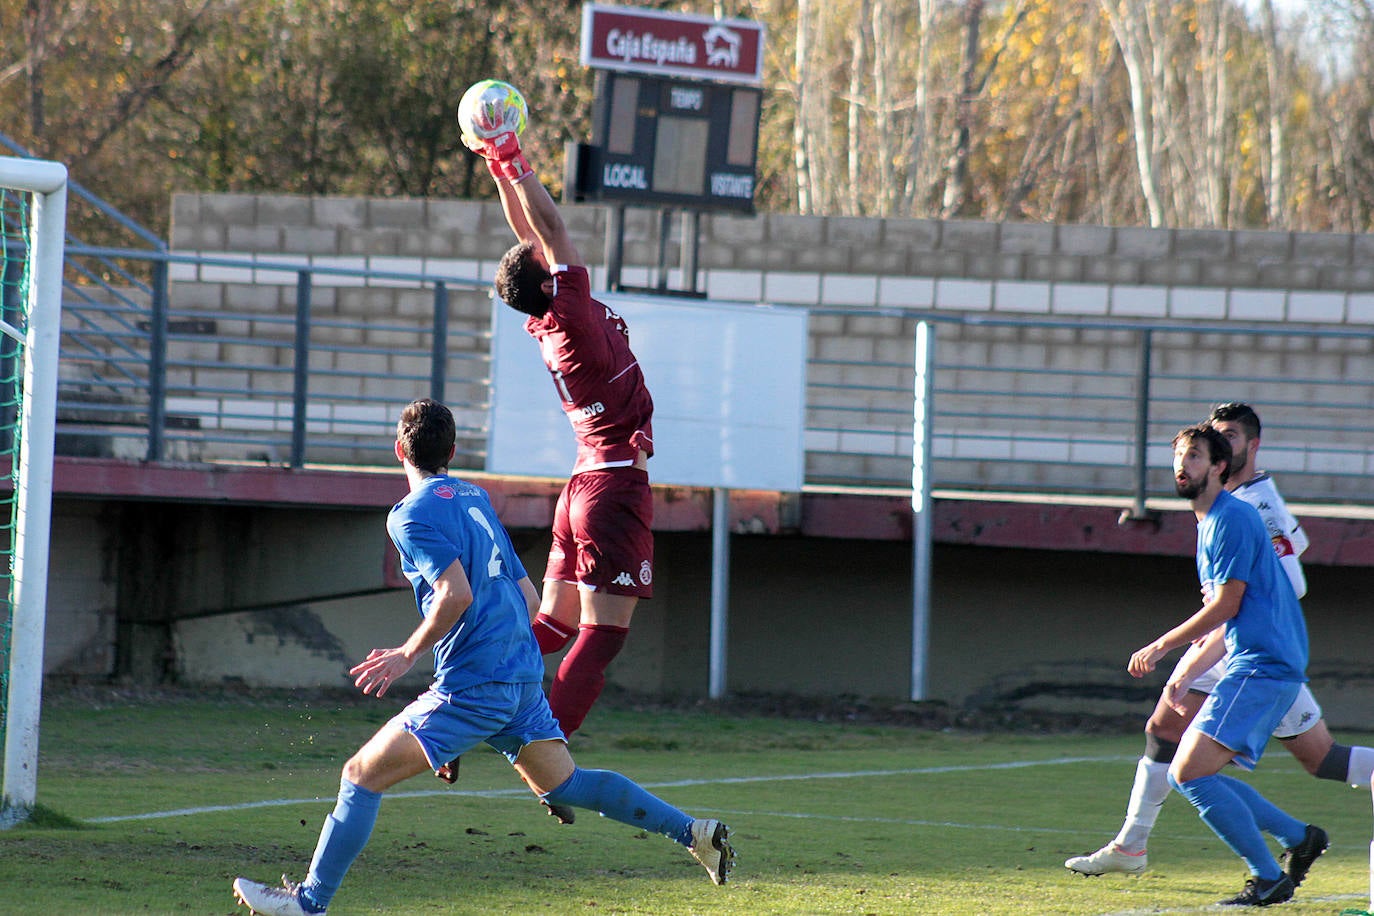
(490,108)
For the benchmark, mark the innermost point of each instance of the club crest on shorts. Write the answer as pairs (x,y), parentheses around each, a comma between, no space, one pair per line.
(646,573)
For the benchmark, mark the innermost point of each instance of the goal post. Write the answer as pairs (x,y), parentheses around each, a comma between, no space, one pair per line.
(34,232)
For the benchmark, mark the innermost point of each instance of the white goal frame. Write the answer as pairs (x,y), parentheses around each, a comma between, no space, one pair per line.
(47,182)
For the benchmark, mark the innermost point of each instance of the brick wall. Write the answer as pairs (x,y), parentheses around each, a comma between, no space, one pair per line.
(869,281)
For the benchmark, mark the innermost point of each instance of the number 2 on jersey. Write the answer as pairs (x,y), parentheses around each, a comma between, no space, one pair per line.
(493,564)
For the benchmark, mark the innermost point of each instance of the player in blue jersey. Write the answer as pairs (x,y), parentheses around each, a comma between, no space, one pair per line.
(475,602)
(1302,732)
(1246,590)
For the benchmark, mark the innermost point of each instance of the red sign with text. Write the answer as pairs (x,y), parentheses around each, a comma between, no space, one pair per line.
(672,44)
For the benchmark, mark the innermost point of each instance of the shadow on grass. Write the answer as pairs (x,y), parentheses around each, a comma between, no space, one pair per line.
(41,817)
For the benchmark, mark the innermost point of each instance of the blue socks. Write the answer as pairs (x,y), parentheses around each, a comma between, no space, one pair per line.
(349,826)
(616,797)
(1270,818)
(343,836)
(1238,814)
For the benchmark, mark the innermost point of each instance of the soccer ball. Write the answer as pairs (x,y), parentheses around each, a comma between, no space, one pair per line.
(491,108)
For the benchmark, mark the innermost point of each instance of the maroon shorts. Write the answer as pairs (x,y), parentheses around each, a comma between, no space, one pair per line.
(601,534)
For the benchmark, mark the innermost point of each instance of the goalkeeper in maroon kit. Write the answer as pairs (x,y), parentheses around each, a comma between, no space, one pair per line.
(601,560)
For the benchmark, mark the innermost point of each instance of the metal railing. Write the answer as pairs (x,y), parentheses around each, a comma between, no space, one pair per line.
(259,380)
(291,363)
(1038,405)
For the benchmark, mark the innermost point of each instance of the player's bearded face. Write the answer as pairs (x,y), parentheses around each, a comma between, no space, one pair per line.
(1240,445)
(1187,487)
(1190,471)
(1240,455)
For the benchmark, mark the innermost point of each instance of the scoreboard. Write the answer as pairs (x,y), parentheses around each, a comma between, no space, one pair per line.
(675,119)
(667,141)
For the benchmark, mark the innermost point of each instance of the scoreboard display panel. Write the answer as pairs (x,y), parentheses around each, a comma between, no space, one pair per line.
(674,142)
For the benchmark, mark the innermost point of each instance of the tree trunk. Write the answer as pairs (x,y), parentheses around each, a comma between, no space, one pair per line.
(1276,187)
(1130,38)
(855,105)
(956,180)
(918,183)
(35,28)
(801,160)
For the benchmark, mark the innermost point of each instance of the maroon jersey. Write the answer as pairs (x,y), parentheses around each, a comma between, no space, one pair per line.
(586,347)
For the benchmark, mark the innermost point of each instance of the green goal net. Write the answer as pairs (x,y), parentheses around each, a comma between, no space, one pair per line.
(14,286)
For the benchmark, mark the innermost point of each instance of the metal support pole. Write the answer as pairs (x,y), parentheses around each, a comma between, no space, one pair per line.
(1142,427)
(300,388)
(665,217)
(438,354)
(691,244)
(615,245)
(157,363)
(922,415)
(720,589)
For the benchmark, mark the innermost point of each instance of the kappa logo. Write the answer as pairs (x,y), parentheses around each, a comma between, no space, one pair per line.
(623,579)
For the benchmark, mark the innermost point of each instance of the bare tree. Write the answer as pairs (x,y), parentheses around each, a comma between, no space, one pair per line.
(956,176)
(803,91)
(43,29)
(1211,148)
(1131,24)
(861,44)
(1276,72)
(920,173)
(883,26)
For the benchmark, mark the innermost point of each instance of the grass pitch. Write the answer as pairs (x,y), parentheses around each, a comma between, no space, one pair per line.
(153,802)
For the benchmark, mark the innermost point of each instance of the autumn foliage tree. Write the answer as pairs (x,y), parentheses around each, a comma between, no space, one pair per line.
(1126,112)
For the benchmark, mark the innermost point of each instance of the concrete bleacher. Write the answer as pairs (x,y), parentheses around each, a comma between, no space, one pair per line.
(1039,326)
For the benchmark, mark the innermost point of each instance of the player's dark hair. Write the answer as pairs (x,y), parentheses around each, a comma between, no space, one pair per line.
(520,280)
(426,432)
(1237,412)
(1218,449)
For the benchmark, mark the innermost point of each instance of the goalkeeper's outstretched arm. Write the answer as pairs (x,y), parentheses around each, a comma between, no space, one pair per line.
(529,209)
(515,212)
(533,216)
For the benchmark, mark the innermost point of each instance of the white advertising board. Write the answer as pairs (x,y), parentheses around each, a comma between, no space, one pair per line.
(728,382)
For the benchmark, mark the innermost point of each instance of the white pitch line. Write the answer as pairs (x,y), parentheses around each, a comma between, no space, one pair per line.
(902,821)
(674,784)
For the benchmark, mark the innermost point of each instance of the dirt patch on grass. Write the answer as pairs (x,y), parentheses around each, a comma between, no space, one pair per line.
(931,715)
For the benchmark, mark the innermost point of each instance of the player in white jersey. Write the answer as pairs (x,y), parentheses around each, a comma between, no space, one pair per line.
(1303,731)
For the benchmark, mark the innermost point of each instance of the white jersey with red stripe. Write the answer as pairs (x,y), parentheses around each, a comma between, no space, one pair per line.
(1284,530)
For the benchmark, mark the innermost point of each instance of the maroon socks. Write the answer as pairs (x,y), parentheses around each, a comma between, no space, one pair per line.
(583,672)
(550,634)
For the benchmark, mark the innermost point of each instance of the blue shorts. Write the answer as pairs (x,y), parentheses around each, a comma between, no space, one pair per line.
(1243,711)
(506,716)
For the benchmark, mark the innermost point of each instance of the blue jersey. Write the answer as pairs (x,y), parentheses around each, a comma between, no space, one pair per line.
(1268,636)
(448,519)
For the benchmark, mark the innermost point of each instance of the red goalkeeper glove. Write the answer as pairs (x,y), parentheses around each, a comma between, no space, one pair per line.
(502,153)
